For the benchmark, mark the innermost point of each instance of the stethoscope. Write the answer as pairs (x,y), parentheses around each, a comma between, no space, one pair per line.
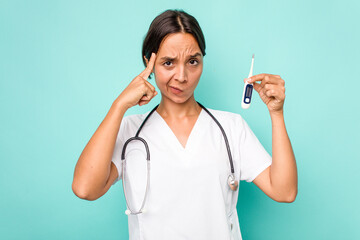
(232,182)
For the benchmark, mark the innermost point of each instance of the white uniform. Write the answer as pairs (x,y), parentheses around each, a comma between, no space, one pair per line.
(188,197)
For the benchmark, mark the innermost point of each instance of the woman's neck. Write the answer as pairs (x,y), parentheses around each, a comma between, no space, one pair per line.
(172,110)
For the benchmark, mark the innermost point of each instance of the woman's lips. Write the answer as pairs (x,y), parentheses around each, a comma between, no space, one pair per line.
(175,90)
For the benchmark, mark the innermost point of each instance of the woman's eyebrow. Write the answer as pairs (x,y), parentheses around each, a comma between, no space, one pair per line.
(170,58)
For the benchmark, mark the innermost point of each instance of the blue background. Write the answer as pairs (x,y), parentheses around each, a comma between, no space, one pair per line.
(63,63)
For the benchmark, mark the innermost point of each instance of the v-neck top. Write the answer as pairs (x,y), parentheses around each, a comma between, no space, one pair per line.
(188,197)
(173,137)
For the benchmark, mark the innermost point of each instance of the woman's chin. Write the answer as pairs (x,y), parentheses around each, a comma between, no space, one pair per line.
(177,99)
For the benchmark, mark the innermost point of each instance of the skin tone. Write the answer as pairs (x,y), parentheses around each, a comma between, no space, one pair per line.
(179,64)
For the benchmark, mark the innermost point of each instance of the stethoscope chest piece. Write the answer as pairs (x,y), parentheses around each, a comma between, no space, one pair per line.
(233,184)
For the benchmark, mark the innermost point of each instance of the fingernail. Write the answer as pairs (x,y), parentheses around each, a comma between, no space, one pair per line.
(247,79)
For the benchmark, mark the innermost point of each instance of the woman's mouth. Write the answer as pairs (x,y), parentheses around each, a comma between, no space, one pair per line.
(175,90)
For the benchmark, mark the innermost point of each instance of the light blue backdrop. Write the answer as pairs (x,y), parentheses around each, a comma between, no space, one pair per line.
(63,63)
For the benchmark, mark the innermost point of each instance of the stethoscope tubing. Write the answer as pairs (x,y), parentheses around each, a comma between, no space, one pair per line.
(136,137)
(147,172)
(225,137)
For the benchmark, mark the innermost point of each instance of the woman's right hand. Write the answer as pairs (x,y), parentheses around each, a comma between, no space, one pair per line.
(139,91)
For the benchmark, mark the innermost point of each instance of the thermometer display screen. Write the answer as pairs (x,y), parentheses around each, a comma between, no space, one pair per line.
(248,93)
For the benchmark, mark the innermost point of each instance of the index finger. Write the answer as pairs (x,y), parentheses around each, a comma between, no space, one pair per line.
(147,71)
(260,77)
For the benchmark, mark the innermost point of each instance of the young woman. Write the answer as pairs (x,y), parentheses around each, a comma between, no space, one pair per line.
(192,193)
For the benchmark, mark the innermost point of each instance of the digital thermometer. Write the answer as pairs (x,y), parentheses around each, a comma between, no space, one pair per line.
(248,88)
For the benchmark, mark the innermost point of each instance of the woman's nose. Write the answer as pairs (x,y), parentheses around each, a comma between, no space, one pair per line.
(181,75)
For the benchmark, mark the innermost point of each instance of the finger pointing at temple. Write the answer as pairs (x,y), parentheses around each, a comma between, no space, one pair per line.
(149,68)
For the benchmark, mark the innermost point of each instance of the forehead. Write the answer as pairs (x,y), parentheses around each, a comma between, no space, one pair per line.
(178,43)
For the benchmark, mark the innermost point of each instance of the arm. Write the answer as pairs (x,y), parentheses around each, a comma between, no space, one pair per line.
(278,181)
(94,172)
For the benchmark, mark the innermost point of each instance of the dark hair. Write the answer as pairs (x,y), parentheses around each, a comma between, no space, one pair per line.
(170,21)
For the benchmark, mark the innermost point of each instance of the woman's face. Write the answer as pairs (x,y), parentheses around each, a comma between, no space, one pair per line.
(179,64)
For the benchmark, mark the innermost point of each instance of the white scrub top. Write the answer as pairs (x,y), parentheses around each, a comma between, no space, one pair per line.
(188,197)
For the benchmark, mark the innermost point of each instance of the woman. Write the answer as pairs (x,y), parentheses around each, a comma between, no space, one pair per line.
(189,196)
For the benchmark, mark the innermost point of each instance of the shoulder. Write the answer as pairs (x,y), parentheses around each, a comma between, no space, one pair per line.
(226,117)
(130,124)
(135,120)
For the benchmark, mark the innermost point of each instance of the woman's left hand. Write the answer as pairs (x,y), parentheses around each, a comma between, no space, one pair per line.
(271,90)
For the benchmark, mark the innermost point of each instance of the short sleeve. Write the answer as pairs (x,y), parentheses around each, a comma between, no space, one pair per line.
(254,159)
(120,141)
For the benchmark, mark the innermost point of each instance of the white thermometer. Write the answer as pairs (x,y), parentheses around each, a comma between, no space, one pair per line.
(248,88)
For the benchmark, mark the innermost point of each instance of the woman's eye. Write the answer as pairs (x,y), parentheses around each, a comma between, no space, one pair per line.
(165,63)
(192,61)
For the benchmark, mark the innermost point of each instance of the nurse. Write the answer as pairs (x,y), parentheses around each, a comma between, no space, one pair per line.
(189,197)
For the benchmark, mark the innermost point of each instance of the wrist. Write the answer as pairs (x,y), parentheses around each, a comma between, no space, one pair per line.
(120,105)
(276,115)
